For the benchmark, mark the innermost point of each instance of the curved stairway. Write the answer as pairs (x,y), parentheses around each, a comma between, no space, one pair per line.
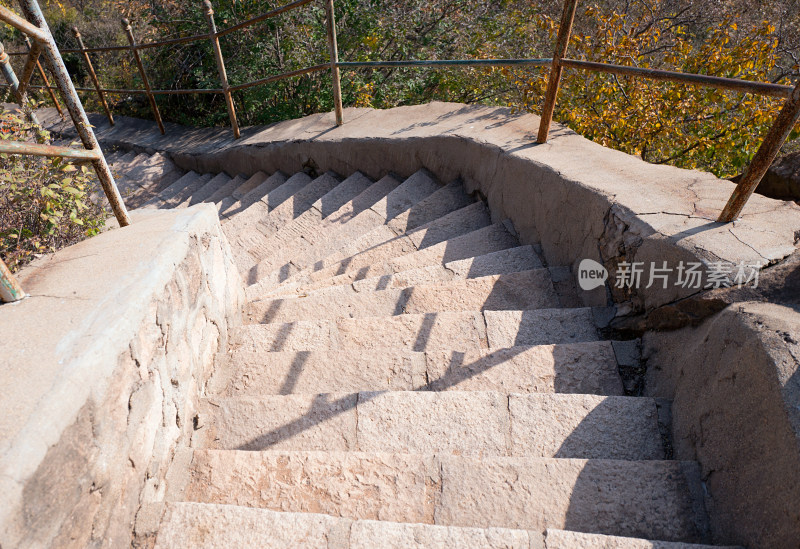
(408,376)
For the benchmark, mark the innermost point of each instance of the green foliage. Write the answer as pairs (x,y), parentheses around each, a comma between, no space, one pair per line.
(692,127)
(661,122)
(45,203)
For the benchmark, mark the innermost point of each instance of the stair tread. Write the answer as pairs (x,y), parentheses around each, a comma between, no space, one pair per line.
(248,192)
(200,194)
(418,187)
(302,240)
(647,499)
(263,199)
(483,241)
(457,331)
(274,238)
(588,367)
(172,196)
(563,539)
(477,423)
(226,190)
(531,289)
(255,238)
(187,524)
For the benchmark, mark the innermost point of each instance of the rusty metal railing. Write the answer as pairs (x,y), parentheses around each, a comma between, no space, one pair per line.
(763,158)
(10,290)
(34,26)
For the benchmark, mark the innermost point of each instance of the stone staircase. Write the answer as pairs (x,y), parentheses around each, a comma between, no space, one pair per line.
(408,375)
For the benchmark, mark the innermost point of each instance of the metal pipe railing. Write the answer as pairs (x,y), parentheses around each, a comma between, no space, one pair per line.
(557,63)
(36,27)
(93,75)
(10,290)
(126,26)
(45,80)
(223,75)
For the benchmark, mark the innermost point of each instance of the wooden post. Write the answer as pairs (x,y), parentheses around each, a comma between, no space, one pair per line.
(769,149)
(10,290)
(92,75)
(223,75)
(46,81)
(126,25)
(564,31)
(334,54)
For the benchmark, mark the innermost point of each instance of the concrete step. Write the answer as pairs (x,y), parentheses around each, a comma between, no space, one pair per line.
(230,208)
(249,184)
(199,195)
(277,236)
(153,176)
(226,190)
(208,525)
(299,244)
(254,238)
(454,331)
(232,204)
(335,208)
(511,260)
(489,239)
(474,423)
(171,197)
(240,228)
(646,499)
(336,194)
(588,367)
(383,243)
(263,203)
(414,189)
(119,161)
(523,290)
(562,539)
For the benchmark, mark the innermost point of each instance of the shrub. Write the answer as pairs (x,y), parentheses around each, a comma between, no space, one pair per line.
(45,203)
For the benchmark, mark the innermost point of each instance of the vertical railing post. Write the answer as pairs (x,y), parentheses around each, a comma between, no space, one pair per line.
(10,290)
(34,15)
(223,75)
(46,81)
(334,55)
(126,25)
(769,149)
(553,82)
(13,82)
(93,75)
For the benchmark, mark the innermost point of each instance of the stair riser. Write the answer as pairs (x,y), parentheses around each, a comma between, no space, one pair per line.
(458,423)
(452,331)
(641,499)
(589,368)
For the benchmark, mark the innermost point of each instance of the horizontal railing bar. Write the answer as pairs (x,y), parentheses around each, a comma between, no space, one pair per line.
(22,147)
(270,14)
(115,90)
(22,24)
(283,76)
(445,62)
(748,86)
(195,38)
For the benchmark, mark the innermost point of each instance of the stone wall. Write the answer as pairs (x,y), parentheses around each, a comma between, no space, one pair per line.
(735,381)
(114,344)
